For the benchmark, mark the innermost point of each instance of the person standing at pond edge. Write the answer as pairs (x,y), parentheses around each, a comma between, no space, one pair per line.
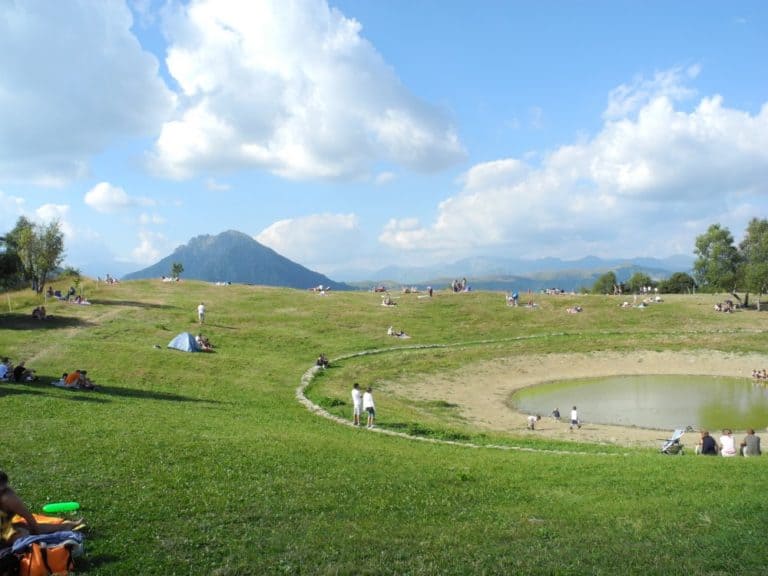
(575,418)
(201,313)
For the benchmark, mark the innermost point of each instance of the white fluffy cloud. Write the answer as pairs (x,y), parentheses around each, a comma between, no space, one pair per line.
(72,79)
(293,88)
(150,247)
(627,189)
(107,198)
(314,241)
(47,213)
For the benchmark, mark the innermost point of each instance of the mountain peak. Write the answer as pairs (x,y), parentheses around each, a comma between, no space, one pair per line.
(233,256)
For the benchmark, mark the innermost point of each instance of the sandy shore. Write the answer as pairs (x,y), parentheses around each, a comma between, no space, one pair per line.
(481,390)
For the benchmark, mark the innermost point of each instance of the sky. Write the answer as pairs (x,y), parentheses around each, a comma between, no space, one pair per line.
(350,135)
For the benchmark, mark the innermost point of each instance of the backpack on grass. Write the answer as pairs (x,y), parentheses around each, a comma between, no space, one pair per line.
(42,560)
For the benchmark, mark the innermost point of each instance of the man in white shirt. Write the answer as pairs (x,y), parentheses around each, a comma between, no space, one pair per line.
(357,404)
(201,313)
(575,418)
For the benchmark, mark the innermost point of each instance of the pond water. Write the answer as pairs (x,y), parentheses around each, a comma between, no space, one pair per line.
(653,401)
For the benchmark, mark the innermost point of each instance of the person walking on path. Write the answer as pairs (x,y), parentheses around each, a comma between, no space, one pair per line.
(575,418)
(201,313)
(369,406)
(357,404)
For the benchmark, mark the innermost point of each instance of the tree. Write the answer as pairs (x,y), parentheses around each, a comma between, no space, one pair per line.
(176,269)
(605,284)
(10,265)
(40,249)
(754,252)
(678,283)
(719,263)
(638,281)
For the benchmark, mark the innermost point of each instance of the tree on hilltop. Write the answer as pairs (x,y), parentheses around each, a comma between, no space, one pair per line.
(638,281)
(605,284)
(718,266)
(754,251)
(40,250)
(723,266)
(678,283)
(176,269)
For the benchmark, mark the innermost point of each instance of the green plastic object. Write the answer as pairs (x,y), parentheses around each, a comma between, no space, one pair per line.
(54,507)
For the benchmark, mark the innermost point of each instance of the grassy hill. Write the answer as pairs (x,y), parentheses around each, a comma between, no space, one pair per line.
(207,464)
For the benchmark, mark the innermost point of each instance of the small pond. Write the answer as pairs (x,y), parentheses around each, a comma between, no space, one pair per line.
(653,401)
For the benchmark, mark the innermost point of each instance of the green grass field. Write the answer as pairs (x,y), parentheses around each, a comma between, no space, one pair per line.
(207,464)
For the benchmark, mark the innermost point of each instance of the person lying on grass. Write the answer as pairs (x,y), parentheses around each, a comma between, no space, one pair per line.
(11,505)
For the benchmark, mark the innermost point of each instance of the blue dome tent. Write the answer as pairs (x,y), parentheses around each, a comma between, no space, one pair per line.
(184,342)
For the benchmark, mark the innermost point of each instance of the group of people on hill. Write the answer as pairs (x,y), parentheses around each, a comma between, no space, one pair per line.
(40,313)
(749,446)
(18,373)
(727,306)
(460,285)
(75,380)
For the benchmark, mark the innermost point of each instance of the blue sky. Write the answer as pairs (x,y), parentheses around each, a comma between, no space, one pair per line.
(351,135)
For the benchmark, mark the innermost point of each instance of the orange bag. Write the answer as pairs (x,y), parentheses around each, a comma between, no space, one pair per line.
(44,561)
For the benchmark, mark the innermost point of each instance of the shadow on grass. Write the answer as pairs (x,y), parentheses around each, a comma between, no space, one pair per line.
(26,322)
(39,389)
(149,395)
(100,395)
(133,303)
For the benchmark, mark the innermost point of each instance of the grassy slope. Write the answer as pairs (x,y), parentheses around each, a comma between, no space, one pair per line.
(205,464)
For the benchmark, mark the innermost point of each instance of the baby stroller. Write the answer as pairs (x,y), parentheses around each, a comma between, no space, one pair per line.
(672,445)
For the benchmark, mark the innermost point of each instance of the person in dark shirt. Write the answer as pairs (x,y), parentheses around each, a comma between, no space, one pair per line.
(23,374)
(707,445)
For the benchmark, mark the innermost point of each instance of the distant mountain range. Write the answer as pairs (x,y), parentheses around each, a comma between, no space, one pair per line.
(508,274)
(236,257)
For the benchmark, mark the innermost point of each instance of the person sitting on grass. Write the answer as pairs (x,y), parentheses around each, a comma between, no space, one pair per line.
(79,379)
(396,333)
(750,446)
(707,445)
(23,374)
(727,445)
(11,505)
(6,369)
(203,343)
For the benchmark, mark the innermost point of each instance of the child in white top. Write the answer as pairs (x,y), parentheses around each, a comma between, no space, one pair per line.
(369,406)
